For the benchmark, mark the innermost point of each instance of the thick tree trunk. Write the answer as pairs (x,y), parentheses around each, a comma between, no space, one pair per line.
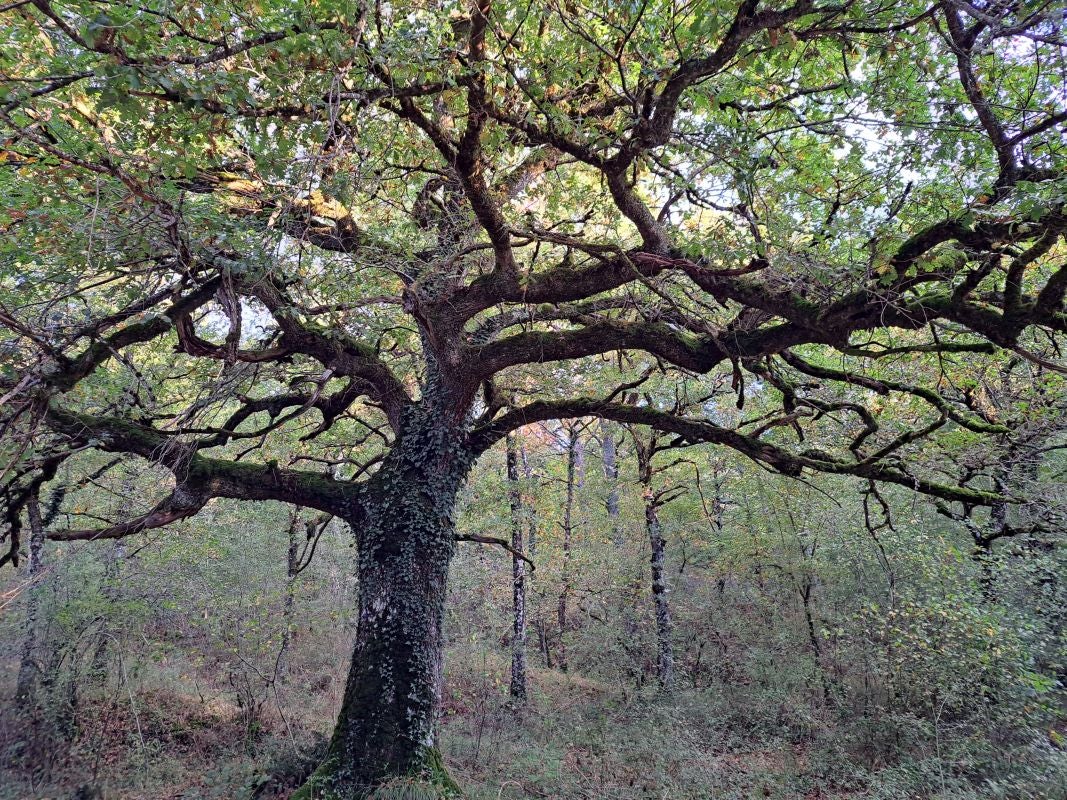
(518,579)
(406,537)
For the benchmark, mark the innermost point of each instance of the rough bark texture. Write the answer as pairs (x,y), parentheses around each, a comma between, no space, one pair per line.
(518,578)
(406,537)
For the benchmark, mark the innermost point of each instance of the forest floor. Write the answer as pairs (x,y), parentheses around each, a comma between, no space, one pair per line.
(174,739)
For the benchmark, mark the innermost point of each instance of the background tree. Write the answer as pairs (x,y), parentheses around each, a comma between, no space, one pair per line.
(518,574)
(655,497)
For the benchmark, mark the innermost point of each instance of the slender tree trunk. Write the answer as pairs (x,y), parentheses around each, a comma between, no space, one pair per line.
(611,474)
(531,509)
(543,641)
(289,603)
(405,533)
(813,639)
(518,578)
(997,528)
(111,590)
(113,560)
(579,457)
(664,624)
(646,451)
(29,666)
(568,525)
(539,623)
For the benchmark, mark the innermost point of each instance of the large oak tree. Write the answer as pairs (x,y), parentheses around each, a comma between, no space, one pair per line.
(320,252)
